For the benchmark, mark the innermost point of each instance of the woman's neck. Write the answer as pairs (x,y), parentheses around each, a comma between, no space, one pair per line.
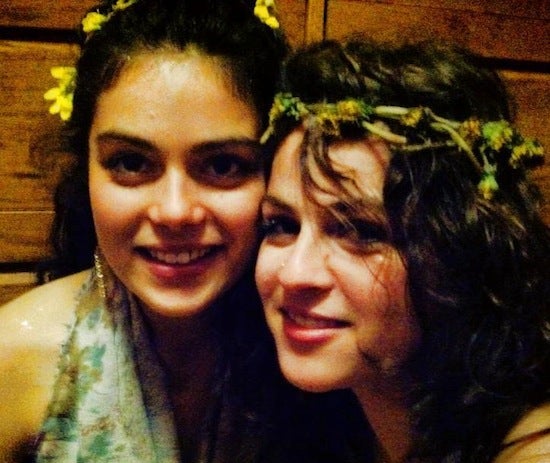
(186,346)
(189,351)
(389,418)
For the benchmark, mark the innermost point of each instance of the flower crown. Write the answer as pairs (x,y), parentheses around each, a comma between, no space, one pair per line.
(62,95)
(486,144)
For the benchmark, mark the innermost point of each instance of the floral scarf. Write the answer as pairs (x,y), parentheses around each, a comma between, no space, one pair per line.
(110,402)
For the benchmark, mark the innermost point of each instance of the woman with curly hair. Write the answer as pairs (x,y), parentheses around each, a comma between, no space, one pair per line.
(404,255)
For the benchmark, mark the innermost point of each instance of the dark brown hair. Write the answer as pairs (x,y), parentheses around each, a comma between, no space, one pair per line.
(249,53)
(478,270)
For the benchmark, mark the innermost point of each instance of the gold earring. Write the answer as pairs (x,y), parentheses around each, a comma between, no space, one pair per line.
(98,265)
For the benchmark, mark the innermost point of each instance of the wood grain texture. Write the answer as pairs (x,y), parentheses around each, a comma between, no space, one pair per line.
(530,95)
(24,236)
(530,100)
(30,160)
(492,29)
(292,15)
(57,14)
(9,292)
(315,21)
(534,9)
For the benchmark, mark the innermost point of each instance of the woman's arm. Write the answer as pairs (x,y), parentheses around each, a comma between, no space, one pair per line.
(32,330)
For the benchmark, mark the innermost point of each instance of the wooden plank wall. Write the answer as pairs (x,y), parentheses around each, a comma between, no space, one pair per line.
(35,35)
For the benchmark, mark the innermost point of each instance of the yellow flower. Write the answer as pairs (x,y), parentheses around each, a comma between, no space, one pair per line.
(278,108)
(123,4)
(497,134)
(412,117)
(527,152)
(470,130)
(349,109)
(62,95)
(265,11)
(272,22)
(488,185)
(63,105)
(65,75)
(93,21)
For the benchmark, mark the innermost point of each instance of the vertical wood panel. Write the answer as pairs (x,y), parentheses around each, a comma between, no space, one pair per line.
(315,21)
(292,15)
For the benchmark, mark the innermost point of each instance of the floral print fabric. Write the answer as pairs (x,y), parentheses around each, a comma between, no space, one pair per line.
(110,402)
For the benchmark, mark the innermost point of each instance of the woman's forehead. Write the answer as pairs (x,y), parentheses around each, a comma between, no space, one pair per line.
(356,183)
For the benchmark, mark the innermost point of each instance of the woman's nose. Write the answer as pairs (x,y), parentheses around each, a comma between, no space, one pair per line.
(305,264)
(177,202)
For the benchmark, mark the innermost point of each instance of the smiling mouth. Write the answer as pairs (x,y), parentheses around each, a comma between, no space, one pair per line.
(178,258)
(310,322)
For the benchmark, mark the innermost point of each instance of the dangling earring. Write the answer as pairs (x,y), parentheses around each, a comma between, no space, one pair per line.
(98,265)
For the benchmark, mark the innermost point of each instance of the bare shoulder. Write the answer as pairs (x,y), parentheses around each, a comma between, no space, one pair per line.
(529,439)
(33,328)
(42,305)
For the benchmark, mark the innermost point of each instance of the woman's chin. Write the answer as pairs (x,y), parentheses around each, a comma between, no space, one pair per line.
(313,383)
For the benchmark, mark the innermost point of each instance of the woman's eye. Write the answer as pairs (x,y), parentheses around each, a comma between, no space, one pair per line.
(128,163)
(222,170)
(273,227)
(360,232)
(226,166)
(129,168)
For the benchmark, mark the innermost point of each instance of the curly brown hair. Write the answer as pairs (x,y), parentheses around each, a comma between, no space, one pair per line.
(478,269)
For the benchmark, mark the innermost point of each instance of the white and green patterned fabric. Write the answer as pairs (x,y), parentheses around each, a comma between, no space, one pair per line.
(110,402)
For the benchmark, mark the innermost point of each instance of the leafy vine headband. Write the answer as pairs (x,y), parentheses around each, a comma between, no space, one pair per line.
(487,144)
(62,95)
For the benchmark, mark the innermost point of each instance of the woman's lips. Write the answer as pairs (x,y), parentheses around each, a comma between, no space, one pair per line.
(176,265)
(180,257)
(313,321)
(307,328)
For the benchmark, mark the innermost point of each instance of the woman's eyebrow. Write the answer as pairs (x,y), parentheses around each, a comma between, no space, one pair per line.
(113,136)
(230,144)
(214,145)
(352,206)
(276,203)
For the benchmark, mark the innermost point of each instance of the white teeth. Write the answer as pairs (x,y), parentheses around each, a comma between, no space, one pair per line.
(309,322)
(181,257)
